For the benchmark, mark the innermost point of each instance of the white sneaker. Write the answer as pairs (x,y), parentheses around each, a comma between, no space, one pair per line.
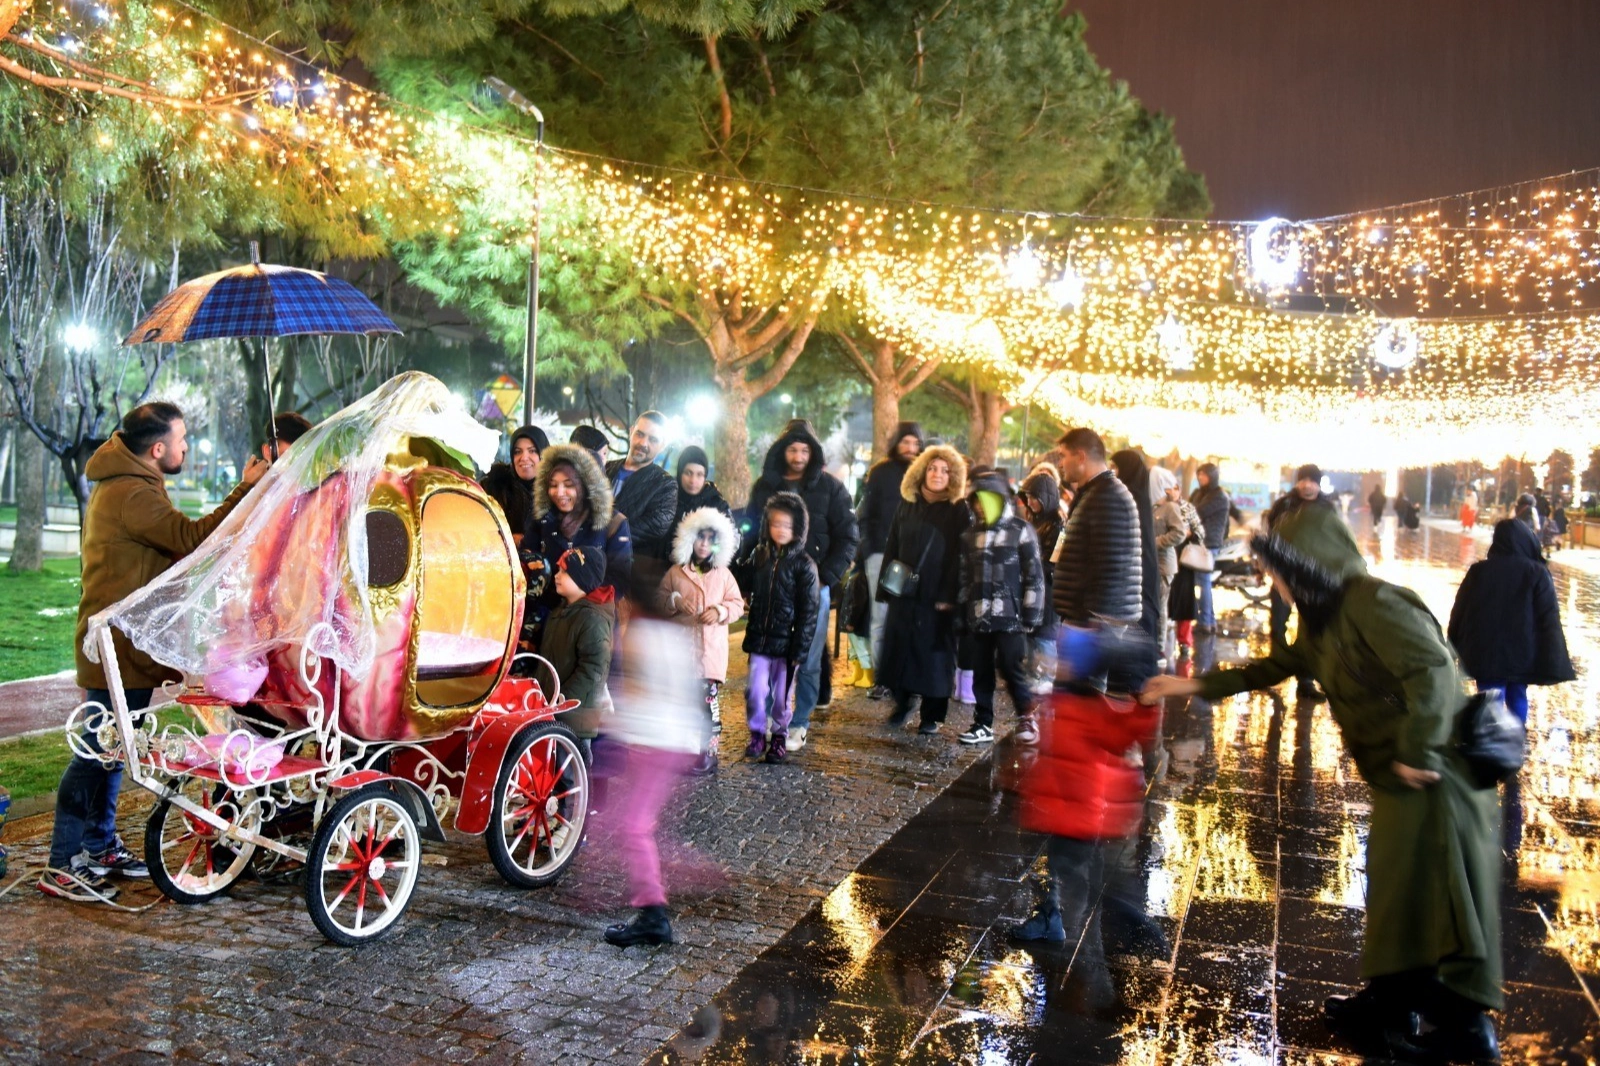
(978,734)
(797,737)
(1027,730)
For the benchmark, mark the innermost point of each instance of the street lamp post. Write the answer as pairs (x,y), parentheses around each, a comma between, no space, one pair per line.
(530,347)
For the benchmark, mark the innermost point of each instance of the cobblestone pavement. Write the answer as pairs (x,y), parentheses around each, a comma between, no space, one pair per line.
(1251,866)
(477,970)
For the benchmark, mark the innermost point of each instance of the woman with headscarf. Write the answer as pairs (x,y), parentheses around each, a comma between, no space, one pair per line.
(1433,863)
(919,636)
(511,484)
(572,505)
(1506,622)
(695,488)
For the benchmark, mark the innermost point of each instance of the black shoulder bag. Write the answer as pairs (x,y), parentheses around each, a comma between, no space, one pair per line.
(899,580)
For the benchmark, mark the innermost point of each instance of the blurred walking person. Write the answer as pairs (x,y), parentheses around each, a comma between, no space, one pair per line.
(1002,602)
(1506,622)
(920,583)
(660,726)
(880,499)
(1376,502)
(1135,475)
(1433,863)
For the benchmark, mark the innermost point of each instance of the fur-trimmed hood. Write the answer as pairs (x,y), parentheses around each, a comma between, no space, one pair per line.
(595,487)
(796,508)
(797,431)
(911,484)
(689,529)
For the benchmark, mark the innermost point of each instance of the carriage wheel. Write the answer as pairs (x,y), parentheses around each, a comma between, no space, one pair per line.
(541,799)
(363,865)
(190,860)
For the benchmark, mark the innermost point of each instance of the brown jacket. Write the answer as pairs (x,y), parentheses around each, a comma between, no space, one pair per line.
(131,533)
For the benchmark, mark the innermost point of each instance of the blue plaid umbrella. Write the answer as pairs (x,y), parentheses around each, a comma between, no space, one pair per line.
(260,300)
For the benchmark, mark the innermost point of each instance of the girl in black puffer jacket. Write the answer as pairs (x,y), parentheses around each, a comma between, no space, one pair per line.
(784,599)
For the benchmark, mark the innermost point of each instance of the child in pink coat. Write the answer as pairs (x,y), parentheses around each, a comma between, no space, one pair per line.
(700,592)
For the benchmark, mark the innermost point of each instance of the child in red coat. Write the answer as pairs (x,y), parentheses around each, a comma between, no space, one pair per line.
(1087,791)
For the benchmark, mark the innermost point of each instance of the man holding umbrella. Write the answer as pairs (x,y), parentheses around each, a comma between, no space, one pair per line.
(131,533)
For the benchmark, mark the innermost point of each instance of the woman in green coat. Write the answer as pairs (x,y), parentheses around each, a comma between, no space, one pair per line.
(1432,943)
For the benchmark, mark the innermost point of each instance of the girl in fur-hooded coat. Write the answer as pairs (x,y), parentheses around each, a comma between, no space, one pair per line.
(919,637)
(700,592)
(584,518)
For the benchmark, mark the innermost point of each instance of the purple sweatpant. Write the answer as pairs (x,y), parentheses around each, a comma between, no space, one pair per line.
(766,695)
(648,782)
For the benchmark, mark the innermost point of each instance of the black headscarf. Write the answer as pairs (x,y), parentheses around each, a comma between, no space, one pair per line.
(512,493)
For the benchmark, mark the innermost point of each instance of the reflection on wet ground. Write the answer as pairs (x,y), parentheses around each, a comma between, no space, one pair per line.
(1251,864)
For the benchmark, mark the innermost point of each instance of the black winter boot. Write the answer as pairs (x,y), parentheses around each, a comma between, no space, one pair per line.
(649,926)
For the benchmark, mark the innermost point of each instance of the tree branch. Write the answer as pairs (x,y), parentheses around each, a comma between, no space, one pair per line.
(797,342)
(722,87)
(920,374)
(854,351)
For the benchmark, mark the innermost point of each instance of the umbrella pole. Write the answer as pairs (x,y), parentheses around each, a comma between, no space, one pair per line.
(272,422)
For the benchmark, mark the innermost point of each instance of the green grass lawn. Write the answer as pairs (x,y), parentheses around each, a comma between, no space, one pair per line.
(38,614)
(32,765)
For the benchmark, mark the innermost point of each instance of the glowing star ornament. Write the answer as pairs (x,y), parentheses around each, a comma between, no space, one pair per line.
(1274,259)
(1173,340)
(1395,346)
(1067,290)
(1024,268)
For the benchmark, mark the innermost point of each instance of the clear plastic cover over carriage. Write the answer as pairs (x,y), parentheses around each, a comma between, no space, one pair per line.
(347,637)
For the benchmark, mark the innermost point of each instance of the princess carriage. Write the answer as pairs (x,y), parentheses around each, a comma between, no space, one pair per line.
(347,637)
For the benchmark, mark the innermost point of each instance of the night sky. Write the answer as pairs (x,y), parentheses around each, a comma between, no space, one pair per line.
(1305,108)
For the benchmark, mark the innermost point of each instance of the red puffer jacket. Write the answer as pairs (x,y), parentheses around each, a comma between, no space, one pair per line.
(1088,783)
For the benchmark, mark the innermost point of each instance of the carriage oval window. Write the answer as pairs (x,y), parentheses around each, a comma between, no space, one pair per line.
(388,549)
(464,603)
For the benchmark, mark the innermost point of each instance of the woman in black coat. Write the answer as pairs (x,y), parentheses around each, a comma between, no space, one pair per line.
(1506,625)
(919,636)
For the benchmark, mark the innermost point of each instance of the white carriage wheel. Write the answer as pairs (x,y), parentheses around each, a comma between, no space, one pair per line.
(541,799)
(362,868)
(191,860)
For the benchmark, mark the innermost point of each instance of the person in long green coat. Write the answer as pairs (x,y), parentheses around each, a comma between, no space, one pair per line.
(1432,943)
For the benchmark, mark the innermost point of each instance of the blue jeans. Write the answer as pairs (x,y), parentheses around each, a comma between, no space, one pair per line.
(1205,614)
(809,683)
(86,799)
(1516,697)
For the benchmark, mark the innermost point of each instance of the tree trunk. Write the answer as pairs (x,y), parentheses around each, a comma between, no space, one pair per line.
(288,381)
(27,552)
(733,445)
(885,412)
(5,462)
(984,429)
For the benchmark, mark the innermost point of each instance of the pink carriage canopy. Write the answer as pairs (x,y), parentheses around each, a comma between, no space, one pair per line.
(249,591)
